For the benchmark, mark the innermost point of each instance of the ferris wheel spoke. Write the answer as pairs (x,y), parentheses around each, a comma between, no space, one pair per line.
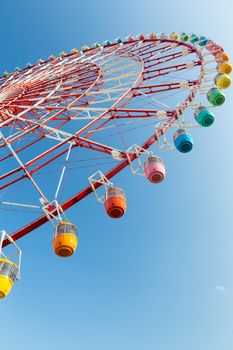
(23,148)
(28,164)
(159,73)
(90,106)
(156,51)
(22,166)
(154,54)
(98,147)
(157,88)
(115,61)
(136,113)
(170,69)
(77,142)
(31,107)
(162,58)
(86,191)
(83,142)
(120,68)
(82,98)
(144,47)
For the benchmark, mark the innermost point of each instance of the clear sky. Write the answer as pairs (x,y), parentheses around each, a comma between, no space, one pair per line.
(161,278)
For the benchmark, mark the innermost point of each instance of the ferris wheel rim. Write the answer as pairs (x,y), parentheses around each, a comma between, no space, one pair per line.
(115,170)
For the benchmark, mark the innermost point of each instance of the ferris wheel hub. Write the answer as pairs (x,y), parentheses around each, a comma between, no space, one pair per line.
(13,91)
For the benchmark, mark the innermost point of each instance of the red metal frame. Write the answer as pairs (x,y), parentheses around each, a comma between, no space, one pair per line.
(92,78)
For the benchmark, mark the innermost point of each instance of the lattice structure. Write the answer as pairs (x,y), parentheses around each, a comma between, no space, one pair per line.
(85,110)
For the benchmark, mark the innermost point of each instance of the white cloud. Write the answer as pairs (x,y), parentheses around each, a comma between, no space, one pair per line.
(220,288)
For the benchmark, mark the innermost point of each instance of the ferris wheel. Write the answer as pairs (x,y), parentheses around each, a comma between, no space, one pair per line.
(69,124)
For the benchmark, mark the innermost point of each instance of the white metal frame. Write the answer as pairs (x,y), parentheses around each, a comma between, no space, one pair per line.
(140,152)
(17,255)
(99,178)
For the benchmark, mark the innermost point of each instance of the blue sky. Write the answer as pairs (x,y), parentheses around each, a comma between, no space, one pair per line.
(161,277)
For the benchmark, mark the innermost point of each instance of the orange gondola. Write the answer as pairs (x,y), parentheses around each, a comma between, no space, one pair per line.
(115,202)
(65,239)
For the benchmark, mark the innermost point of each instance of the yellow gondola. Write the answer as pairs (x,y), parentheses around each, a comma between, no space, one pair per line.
(74,50)
(8,275)
(223,81)
(224,67)
(9,269)
(174,36)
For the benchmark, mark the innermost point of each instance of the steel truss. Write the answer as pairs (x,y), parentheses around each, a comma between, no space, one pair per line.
(97,88)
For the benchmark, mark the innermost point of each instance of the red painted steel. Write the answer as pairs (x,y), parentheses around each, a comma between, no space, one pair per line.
(92,79)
